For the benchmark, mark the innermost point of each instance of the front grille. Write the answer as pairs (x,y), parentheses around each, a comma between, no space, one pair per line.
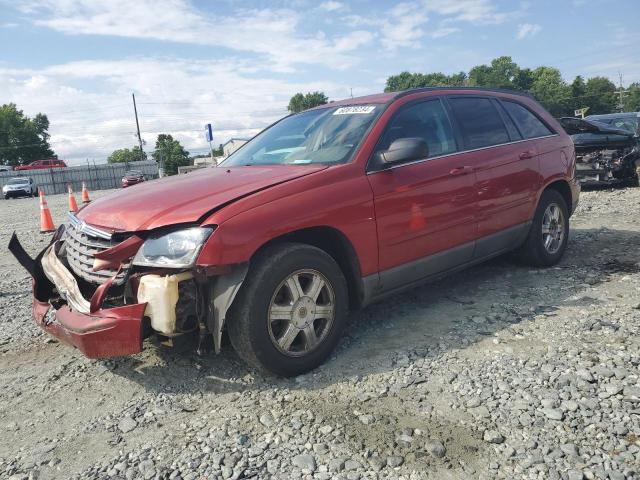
(81,246)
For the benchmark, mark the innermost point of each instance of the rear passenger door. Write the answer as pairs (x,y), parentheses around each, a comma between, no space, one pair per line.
(506,169)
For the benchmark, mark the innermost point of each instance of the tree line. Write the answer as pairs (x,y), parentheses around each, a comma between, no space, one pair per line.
(544,83)
(168,152)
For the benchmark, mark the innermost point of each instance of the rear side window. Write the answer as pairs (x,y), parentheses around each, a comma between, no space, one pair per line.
(529,125)
(427,120)
(479,121)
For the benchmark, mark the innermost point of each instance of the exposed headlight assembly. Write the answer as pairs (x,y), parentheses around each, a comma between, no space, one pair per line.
(177,249)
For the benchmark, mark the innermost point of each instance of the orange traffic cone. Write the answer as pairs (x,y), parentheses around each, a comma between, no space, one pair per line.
(46,223)
(73,206)
(85,193)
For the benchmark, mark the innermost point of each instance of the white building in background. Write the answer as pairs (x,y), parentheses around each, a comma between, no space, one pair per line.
(232,145)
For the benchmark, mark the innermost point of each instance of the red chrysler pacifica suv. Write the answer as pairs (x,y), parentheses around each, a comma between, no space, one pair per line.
(323,212)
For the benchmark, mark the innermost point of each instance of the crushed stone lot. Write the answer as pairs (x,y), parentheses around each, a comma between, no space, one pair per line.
(500,371)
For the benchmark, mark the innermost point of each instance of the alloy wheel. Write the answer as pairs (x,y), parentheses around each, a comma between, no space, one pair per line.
(553,228)
(301,312)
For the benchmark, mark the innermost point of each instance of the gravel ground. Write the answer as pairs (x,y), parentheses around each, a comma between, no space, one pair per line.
(501,371)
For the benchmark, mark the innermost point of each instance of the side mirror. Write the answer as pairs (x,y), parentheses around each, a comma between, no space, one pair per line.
(404,149)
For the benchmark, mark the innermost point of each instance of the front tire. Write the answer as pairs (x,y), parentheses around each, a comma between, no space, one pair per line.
(291,310)
(549,232)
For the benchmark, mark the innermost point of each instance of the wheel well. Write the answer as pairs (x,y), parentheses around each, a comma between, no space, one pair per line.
(336,244)
(562,187)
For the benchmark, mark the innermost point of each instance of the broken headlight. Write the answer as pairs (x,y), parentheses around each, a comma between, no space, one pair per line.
(177,249)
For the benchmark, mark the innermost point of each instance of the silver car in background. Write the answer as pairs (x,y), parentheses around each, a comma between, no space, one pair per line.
(20,187)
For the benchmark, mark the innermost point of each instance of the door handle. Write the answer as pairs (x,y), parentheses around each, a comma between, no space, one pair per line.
(526,155)
(461,170)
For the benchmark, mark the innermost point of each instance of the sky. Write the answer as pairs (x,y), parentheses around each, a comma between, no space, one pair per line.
(235,63)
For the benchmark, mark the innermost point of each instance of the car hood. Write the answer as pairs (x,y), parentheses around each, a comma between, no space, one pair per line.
(185,198)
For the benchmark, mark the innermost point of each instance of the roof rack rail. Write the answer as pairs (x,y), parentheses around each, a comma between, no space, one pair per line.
(409,91)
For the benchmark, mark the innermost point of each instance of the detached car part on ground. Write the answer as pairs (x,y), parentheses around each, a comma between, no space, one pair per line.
(605,152)
(324,212)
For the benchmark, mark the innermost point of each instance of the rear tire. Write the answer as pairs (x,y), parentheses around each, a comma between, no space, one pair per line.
(549,232)
(291,310)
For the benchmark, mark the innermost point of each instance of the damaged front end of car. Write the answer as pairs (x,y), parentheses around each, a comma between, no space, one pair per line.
(104,292)
(604,154)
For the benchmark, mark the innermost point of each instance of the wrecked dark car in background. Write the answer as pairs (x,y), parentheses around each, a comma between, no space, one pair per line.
(607,147)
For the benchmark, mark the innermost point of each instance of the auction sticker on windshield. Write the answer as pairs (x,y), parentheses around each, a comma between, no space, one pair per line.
(355,109)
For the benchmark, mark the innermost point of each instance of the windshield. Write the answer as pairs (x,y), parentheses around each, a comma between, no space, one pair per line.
(326,136)
(18,181)
(133,173)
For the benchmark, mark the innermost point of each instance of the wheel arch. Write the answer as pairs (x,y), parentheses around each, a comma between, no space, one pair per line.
(334,243)
(563,188)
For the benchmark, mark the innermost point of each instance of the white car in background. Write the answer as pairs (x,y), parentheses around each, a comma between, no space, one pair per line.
(20,187)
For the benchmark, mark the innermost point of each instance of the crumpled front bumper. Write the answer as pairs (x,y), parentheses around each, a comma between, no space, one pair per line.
(112,332)
(101,333)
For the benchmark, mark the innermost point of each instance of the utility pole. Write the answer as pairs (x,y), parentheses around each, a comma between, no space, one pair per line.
(135,110)
(622,93)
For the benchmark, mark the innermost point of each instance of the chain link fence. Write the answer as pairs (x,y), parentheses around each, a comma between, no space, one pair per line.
(96,177)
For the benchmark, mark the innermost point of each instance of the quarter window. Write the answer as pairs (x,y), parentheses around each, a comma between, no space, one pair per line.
(527,122)
(479,121)
(426,120)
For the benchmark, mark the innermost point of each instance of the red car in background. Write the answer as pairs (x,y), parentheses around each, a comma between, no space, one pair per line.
(42,164)
(132,177)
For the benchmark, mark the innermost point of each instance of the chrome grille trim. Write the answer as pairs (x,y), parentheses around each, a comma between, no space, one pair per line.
(82,243)
(88,229)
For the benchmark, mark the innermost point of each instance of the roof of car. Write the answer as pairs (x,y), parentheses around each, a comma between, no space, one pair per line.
(381,98)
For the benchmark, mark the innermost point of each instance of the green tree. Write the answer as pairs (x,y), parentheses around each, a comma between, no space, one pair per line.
(524,80)
(23,139)
(125,155)
(300,102)
(632,101)
(551,91)
(502,73)
(600,95)
(170,153)
(408,80)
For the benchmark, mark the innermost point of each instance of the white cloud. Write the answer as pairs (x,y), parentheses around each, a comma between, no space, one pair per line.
(528,30)
(174,96)
(331,6)
(404,24)
(443,32)
(404,28)
(477,12)
(272,33)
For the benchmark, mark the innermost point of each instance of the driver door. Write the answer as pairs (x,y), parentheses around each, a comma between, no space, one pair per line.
(425,208)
